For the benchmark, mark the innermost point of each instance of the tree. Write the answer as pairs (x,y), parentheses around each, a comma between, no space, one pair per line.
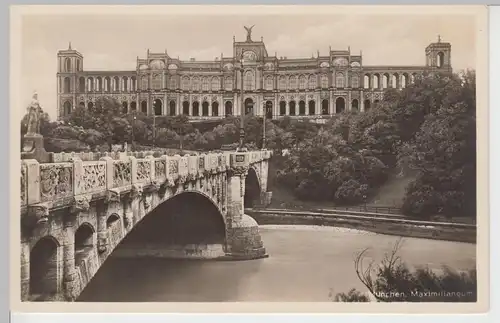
(443,153)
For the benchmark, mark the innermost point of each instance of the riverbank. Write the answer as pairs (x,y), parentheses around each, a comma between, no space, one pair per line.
(382,225)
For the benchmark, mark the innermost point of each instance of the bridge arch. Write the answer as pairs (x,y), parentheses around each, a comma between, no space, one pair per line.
(45,267)
(252,188)
(187,218)
(84,241)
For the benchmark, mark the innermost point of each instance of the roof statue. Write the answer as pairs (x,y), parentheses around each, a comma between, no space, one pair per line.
(249,32)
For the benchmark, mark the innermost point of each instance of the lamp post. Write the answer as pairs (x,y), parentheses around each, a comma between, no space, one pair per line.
(154,130)
(264,112)
(242,108)
(133,131)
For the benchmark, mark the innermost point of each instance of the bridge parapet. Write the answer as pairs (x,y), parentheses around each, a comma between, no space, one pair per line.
(56,184)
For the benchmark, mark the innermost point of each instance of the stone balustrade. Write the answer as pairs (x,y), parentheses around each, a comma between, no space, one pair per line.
(58,183)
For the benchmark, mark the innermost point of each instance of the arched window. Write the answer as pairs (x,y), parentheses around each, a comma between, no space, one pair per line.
(107,84)
(125,85)
(412,78)
(67,64)
(395,81)
(215,109)
(302,108)
(173,83)
(302,82)
(90,84)
(404,80)
(440,59)
(67,108)
(185,108)
(204,109)
(325,109)
(367,105)
(292,82)
(205,84)
(228,83)
(355,81)
(367,81)
(354,105)
(81,85)
(229,108)
(385,81)
(171,109)
(312,107)
(269,83)
(125,107)
(133,84)
(282,82)
(249,81)
(78,65)
(292,107)
(196,109)
(324,81)
(67,85)
(282,108)
(339,80)
(144,107)
(312,82)
(158,107)
(116,84)
(215,83)
(99,84)
(144,82)
(133,106)
(195,84)
(90,105)
(376,81)
(185,83)
(157,81)
(340,105)
(269,110)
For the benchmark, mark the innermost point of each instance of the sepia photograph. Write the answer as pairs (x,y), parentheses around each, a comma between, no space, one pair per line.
(250,154)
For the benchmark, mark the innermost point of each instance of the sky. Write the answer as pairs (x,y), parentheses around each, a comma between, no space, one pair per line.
(113,42)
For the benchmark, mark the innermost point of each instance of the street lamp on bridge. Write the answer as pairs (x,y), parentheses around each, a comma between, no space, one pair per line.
(242,108)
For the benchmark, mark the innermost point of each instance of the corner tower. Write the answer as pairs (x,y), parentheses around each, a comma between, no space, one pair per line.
(69,63)
(438,55)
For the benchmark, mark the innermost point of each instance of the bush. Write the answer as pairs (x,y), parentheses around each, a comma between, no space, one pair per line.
(393,281)
(351,192)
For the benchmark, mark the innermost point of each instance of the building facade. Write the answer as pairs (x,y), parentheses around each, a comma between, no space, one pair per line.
(251,81)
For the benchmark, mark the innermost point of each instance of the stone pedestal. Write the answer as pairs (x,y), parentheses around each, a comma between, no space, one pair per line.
(33,148)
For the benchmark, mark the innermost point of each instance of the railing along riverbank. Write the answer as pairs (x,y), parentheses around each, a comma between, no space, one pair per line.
(383,224)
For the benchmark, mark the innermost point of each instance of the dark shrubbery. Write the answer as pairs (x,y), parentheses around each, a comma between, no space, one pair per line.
(393,281)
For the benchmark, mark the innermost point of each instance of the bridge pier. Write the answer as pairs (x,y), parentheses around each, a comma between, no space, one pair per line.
(242,234)
(69,271)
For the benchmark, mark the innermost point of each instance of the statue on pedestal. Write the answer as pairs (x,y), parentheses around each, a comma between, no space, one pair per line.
(33,145)
(34,114)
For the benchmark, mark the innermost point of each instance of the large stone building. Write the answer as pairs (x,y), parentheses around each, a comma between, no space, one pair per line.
(277,86)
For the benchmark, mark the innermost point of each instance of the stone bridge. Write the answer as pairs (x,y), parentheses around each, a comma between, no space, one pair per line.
(75,213)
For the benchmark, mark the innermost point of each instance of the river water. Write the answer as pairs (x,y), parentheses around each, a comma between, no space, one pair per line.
(306,263)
